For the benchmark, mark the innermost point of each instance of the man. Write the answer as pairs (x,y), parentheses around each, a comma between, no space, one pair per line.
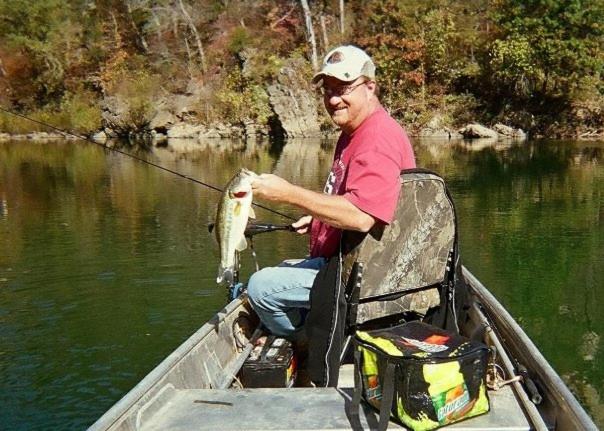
(361,190)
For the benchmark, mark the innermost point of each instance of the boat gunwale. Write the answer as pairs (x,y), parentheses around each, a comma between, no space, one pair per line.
(142,388)
(547,375)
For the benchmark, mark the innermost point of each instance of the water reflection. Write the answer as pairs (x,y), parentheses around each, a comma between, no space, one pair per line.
(301,161)
(106,264)
(531,229)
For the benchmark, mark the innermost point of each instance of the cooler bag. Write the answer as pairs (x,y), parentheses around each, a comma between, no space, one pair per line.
(423,376)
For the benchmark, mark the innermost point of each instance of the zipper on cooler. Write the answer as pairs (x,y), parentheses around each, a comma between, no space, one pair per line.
(423,360)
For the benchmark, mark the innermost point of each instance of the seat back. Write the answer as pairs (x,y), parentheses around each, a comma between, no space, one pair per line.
(400,267)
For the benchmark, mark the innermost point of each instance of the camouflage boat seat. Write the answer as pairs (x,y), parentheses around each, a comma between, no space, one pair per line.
(405,270)
(403,267)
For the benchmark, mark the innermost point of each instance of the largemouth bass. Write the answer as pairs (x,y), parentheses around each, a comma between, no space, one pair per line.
(234,209)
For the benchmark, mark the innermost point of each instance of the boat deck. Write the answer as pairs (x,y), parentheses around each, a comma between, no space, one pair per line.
(295,409)
(171,396)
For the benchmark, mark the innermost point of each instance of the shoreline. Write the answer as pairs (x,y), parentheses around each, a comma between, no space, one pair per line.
(595,135)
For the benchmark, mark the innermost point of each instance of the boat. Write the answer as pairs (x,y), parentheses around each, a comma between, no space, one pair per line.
(196,387)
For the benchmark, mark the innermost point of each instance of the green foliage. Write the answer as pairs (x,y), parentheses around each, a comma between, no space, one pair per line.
(48,33)
(460,109)
(437,28)
(422,51)
(399,67)
(138,90)
(78,113)
(512,63)
(23,20)
(560,43)
(15,125)
(240,99)
(264,68)
(239,39)
(81,112)
(454,59)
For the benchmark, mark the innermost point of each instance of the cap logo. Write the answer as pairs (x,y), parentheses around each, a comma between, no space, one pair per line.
(336,57)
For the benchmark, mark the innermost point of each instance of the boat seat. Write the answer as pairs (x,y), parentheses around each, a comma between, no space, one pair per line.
(296,409)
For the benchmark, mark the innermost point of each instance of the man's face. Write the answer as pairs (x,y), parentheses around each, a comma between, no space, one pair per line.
(348,102)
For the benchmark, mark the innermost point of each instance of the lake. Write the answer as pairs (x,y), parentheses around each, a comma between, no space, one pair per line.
(106,264)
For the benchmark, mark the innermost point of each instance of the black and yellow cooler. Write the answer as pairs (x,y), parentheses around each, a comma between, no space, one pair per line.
(426,376)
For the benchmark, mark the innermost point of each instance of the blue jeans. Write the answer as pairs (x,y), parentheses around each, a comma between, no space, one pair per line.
(281,294)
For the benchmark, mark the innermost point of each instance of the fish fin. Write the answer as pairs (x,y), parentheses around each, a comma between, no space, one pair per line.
(252,214)
(242,244)
(237,209)
(225,274)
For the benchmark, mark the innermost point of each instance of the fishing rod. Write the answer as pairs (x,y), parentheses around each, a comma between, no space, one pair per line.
(255,228)
(140,159)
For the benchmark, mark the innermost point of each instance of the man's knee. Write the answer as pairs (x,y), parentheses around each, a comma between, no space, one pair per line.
(258,284)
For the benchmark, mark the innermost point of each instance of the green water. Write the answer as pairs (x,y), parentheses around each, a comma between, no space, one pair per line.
(106,264)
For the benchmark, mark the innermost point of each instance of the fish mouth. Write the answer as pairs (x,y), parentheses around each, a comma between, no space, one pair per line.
(241,194)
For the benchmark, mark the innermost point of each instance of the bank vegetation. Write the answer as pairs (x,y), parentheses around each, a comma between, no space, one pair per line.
(134,66)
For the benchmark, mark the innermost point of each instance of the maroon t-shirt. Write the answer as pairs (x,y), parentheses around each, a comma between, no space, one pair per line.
(366,171)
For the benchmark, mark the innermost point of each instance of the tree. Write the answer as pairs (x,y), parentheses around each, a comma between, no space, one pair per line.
(341,16)
(38,34)
(310,33)
(191,25)
(560,42)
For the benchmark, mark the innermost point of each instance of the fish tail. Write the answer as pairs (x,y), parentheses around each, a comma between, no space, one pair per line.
(225,274)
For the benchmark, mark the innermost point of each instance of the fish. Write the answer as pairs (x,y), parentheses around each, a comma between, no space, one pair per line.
(234,209)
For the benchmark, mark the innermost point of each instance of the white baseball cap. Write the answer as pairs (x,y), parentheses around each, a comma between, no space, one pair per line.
(346,63)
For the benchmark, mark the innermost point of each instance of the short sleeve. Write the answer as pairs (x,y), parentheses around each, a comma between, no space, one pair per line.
(373,184)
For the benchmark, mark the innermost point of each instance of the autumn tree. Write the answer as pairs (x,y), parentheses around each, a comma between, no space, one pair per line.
(546,48)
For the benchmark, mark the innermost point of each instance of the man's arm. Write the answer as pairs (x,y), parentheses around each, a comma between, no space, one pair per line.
(334,210)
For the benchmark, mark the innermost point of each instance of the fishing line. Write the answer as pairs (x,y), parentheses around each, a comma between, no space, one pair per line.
(163,168)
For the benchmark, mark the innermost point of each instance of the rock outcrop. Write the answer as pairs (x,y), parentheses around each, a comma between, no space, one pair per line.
(475,130)
(294,105)
(509,132)
(100,137)
(115,112)
(252,130)
(163,119)
(499,131)
(435,128)
(185,130)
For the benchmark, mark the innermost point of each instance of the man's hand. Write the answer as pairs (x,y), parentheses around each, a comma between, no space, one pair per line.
(334,210)
(271,187)
(303,224)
